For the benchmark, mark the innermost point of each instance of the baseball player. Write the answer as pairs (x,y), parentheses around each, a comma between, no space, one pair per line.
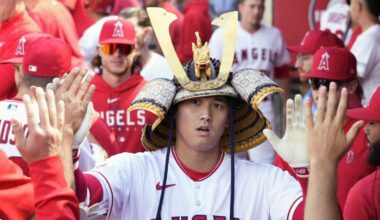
(53,198)
(116,86)
(366,48)
(327,143)
(259,47)
(37,66)
(333,64)
(311,42)
(187,174)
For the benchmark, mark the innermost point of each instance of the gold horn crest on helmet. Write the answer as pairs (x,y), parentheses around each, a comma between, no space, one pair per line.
(161,20)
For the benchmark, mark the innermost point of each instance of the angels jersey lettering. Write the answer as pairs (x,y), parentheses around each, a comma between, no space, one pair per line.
(263,50)
(122,118)
(9,109)
(132,185)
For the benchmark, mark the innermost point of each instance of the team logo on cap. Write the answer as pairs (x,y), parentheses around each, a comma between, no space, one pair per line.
(324,63)
(32,68)
(20,47)
(118,30)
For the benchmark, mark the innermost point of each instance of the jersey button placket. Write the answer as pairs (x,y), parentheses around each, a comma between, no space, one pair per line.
(197,186)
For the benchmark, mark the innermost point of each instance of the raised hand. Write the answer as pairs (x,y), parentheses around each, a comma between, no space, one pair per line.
(45,120)
(75,90)
(292,146)
(326,140)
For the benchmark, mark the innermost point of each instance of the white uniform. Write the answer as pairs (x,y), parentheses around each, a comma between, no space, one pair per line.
(263,50)
(335,19)
(156,67)
(367,52)
(132,185)
(15,108)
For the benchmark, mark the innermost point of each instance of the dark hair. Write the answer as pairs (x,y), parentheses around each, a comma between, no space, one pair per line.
(28,80)
(373,7)
(136,12)
(374,155)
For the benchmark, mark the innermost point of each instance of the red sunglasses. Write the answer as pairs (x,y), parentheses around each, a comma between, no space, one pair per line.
(110,48)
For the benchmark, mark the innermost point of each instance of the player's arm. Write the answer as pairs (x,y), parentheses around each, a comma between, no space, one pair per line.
(327,143)
(41,149)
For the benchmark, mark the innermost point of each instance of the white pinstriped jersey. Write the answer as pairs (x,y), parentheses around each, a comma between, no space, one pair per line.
(263,50)
(132,185)
(9,109)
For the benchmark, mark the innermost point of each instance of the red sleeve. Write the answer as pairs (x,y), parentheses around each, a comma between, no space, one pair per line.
(87,181)
(16,189)
(104,136)
(299,213)
(191,23)
(7,83)
(53,197)
(281,72)
(282,164)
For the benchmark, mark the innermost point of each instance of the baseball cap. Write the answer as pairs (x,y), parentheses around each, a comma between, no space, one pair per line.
(369,113)
(19,51)
(316,39)
(43,56)
(333,63)
(119,31)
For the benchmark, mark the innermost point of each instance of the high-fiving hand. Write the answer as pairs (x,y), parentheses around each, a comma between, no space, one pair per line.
(292,146)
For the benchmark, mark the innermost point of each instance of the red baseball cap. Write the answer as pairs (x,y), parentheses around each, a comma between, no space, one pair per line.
(118,31)
(369,113)
(20,48)
(316,39)
(43,56)
(333,63)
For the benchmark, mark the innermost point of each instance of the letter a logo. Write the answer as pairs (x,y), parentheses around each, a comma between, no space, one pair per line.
(324,63)
(118,30)
(20,47)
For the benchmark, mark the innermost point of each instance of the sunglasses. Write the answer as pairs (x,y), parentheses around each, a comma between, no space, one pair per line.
(110,48)
(316,83)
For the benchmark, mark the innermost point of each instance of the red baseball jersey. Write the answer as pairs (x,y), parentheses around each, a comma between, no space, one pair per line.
(112,105)
(58,22)
(363,201)
(10,32)
(351,168)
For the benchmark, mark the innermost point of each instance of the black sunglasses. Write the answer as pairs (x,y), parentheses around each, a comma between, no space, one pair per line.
(315,83)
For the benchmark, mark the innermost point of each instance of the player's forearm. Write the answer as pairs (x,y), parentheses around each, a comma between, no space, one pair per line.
(66,156)
(52,194)
(321,201)
(88,188)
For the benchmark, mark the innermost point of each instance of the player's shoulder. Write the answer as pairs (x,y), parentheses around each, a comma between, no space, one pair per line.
(269,29)
(258,167)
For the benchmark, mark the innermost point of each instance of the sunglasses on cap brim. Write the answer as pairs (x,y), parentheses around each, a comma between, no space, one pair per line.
(110,48)
(315,83)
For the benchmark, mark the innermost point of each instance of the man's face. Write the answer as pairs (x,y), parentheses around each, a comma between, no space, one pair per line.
(303,64)
(252,12)
(116,58)
(372,130)
(354,9)
(200,123)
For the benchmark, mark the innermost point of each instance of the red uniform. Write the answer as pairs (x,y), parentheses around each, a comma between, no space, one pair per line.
(10,32)
(351,168)
(112,104)
(175,28)
(58,22)
(363,201)
(195,18)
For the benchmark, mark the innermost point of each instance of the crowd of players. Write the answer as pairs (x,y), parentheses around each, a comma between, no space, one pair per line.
(95,58)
